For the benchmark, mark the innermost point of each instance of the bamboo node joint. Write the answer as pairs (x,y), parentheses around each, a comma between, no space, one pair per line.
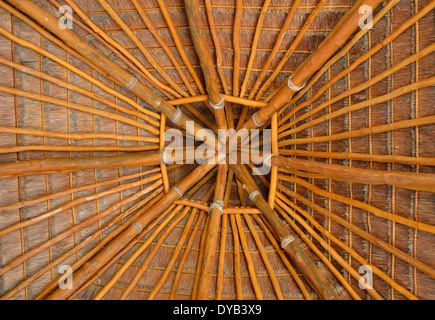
(178,191)
(254,194)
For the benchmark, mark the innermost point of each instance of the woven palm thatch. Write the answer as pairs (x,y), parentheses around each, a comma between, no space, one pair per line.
(84,182)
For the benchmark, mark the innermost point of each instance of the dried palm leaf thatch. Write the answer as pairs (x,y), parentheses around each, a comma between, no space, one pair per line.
(90,89)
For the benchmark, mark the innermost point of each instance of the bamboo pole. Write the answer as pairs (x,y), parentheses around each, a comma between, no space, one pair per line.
(206,62)
(359,156)
(206,269)
(407,180)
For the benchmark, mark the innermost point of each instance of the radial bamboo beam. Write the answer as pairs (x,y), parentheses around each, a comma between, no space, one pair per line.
(407,180)
(112,69)
(292,248)
(79,163)
(206,271)
(206,61)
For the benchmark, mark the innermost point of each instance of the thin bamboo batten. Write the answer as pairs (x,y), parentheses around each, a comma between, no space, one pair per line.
(275,49)
(143,50)
(308,22)
(173,259)
(358,204)
(151,255)
(236,44)
(284,209)
(167,222)
(179,45)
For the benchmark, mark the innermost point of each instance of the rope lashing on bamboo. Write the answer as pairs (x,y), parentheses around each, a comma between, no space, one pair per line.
(254,194)
(132,82)
(294,87)
(218,205)
(220,105)
(254,118)
(178,191)
(286,241)
(176,116)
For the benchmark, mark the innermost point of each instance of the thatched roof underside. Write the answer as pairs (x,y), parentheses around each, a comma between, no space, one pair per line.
(376,115)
